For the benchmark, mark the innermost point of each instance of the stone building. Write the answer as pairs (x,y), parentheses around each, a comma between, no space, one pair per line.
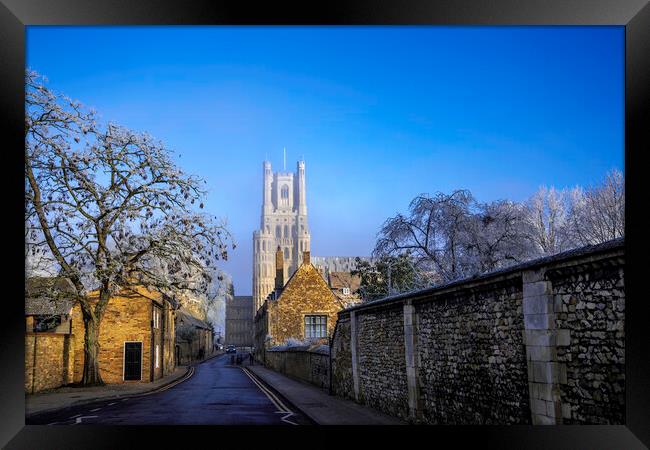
(283,224)
(194,337)
(305,308)
(136,335)
(239,321)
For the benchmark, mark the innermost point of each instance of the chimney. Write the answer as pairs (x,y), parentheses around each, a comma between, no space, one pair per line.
(305,258)
(279,268)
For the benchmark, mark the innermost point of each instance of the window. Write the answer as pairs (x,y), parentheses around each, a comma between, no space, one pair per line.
(315,327)
(346,291)
(286,253)
(278,231)
(286,231)
(156,318)
(46,323)
(157,356)
(285,191)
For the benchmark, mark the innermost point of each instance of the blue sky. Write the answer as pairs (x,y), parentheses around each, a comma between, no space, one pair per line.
(380,114)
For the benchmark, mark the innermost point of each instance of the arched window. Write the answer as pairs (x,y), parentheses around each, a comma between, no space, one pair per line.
(278,231)
(268,230)
(286,253)
(286,231)
(264,245)
(284,196)
(293,230)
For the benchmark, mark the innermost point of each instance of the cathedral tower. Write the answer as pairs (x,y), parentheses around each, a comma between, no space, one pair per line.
(283,224)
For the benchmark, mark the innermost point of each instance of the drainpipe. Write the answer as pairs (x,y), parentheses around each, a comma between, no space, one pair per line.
(329,357)
(34,366)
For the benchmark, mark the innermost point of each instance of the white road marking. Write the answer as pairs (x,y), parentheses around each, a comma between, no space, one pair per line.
(271,396)
(79,419)
(76,415)
(111,404)
(96,409)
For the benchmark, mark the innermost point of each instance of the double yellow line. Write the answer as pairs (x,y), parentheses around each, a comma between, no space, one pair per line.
(282,408)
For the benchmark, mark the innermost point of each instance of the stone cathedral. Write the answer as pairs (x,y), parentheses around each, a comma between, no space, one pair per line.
(283,224)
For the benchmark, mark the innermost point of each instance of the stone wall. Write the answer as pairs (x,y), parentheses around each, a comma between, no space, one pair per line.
(341,354)
(540,343)
(472,356)
(48,361)
(302,364)
(591,305)
(381,360)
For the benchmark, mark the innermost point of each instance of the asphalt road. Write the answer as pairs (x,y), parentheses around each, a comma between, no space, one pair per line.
(216,394)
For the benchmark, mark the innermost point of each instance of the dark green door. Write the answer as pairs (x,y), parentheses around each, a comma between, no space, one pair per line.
(133,360)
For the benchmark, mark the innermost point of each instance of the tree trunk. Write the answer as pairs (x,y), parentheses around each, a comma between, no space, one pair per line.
(91,375)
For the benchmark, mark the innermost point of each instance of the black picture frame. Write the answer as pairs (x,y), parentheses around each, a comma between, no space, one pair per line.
(634,15)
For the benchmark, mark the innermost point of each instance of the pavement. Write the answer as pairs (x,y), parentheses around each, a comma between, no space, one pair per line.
(215,393)
(318,405)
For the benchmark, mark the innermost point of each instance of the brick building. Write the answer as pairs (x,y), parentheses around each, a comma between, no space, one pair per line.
(239,321)
(136,335)
(305,308)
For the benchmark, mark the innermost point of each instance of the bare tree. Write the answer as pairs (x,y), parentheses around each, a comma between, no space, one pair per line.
(598,214)
(111,207)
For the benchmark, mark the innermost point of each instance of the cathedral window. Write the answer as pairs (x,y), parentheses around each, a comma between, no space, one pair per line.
(278,231)
(286,253)
(284,196)
(286,231)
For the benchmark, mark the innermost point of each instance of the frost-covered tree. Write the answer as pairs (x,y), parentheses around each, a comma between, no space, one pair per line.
(111,207)
(453,236)
(495,237)
(547,220)
(597,214)
(432,232)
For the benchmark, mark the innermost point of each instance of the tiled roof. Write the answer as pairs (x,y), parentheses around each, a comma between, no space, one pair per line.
(48,296)
(187,318)
(340,280)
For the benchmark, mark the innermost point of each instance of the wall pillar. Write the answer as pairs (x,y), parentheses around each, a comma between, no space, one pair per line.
(353,351)
(410,339)
(541,338)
